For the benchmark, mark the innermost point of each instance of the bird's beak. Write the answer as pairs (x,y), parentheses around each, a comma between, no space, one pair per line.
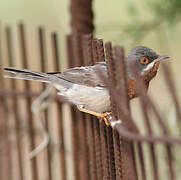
(160,58)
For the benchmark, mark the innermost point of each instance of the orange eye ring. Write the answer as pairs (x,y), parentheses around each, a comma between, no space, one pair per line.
(144,60)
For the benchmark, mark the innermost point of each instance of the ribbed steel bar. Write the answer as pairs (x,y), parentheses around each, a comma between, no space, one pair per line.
(88,60)
(73,127)
(80,118)
(96,126)
(153,159)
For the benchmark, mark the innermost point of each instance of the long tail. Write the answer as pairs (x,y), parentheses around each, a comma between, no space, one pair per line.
(27,74)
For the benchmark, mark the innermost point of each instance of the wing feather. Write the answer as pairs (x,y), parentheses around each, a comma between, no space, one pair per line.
(85,75)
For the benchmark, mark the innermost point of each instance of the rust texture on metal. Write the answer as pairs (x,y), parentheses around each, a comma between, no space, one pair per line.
(96,125)
(79,144)
(82,16)
(88,60)
(115,73)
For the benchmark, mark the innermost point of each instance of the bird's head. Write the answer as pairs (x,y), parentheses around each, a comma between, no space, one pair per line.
(145,60)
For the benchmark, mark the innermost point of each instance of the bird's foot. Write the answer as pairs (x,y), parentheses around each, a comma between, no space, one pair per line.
(103,116)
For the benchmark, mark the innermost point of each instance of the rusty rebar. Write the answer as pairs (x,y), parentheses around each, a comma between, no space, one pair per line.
(171,86)
(117,154)
(24,60)
(96,126)
(91,146)
(6,146)
(82,16)
(153,159)
(81,167)
(108,146)
(75,139)
(56,62)
(91,134)
(43,65)
(15,103)
(105,152)
(115,78)
(111,69)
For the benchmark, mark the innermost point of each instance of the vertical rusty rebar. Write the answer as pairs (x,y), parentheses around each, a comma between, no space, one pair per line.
(83,151)
(104,134)
(112,140)
(24,60)
(82,16)
(119,55)
(82,23)
(78,119)
(171,86)
(56,62)
(75,139)
(5,148)
(153,158)
(127,158)
(83,122)
(43,64)
(15,103)
(96,125)
(117,154)
(88,60)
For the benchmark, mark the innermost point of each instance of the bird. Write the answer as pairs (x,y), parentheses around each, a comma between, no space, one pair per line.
(84,87)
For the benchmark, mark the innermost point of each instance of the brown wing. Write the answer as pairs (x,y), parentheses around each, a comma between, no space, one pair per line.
(85,75)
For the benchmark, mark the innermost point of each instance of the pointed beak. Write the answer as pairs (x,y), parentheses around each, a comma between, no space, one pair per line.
(160,58)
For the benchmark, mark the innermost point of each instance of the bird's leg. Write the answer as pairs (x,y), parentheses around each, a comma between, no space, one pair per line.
(103,116)
(38,105)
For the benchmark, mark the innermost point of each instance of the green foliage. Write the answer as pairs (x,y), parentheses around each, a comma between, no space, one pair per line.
(163,12)
(167,10)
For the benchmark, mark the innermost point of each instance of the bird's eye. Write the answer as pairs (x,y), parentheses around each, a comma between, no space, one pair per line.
(144,60)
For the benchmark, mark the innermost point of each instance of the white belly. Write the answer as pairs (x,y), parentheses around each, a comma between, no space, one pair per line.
(91,98)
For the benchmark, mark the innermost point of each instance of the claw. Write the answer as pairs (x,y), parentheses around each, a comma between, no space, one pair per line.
(103,116)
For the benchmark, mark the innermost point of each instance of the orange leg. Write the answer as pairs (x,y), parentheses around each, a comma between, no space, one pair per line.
(100,115)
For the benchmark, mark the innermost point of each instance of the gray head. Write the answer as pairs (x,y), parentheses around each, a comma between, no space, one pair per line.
(143,58)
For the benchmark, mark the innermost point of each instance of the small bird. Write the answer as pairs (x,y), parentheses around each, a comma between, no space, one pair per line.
(83,87)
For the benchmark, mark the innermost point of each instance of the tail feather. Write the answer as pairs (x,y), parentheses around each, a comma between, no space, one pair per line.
(26,74)
(57,81)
